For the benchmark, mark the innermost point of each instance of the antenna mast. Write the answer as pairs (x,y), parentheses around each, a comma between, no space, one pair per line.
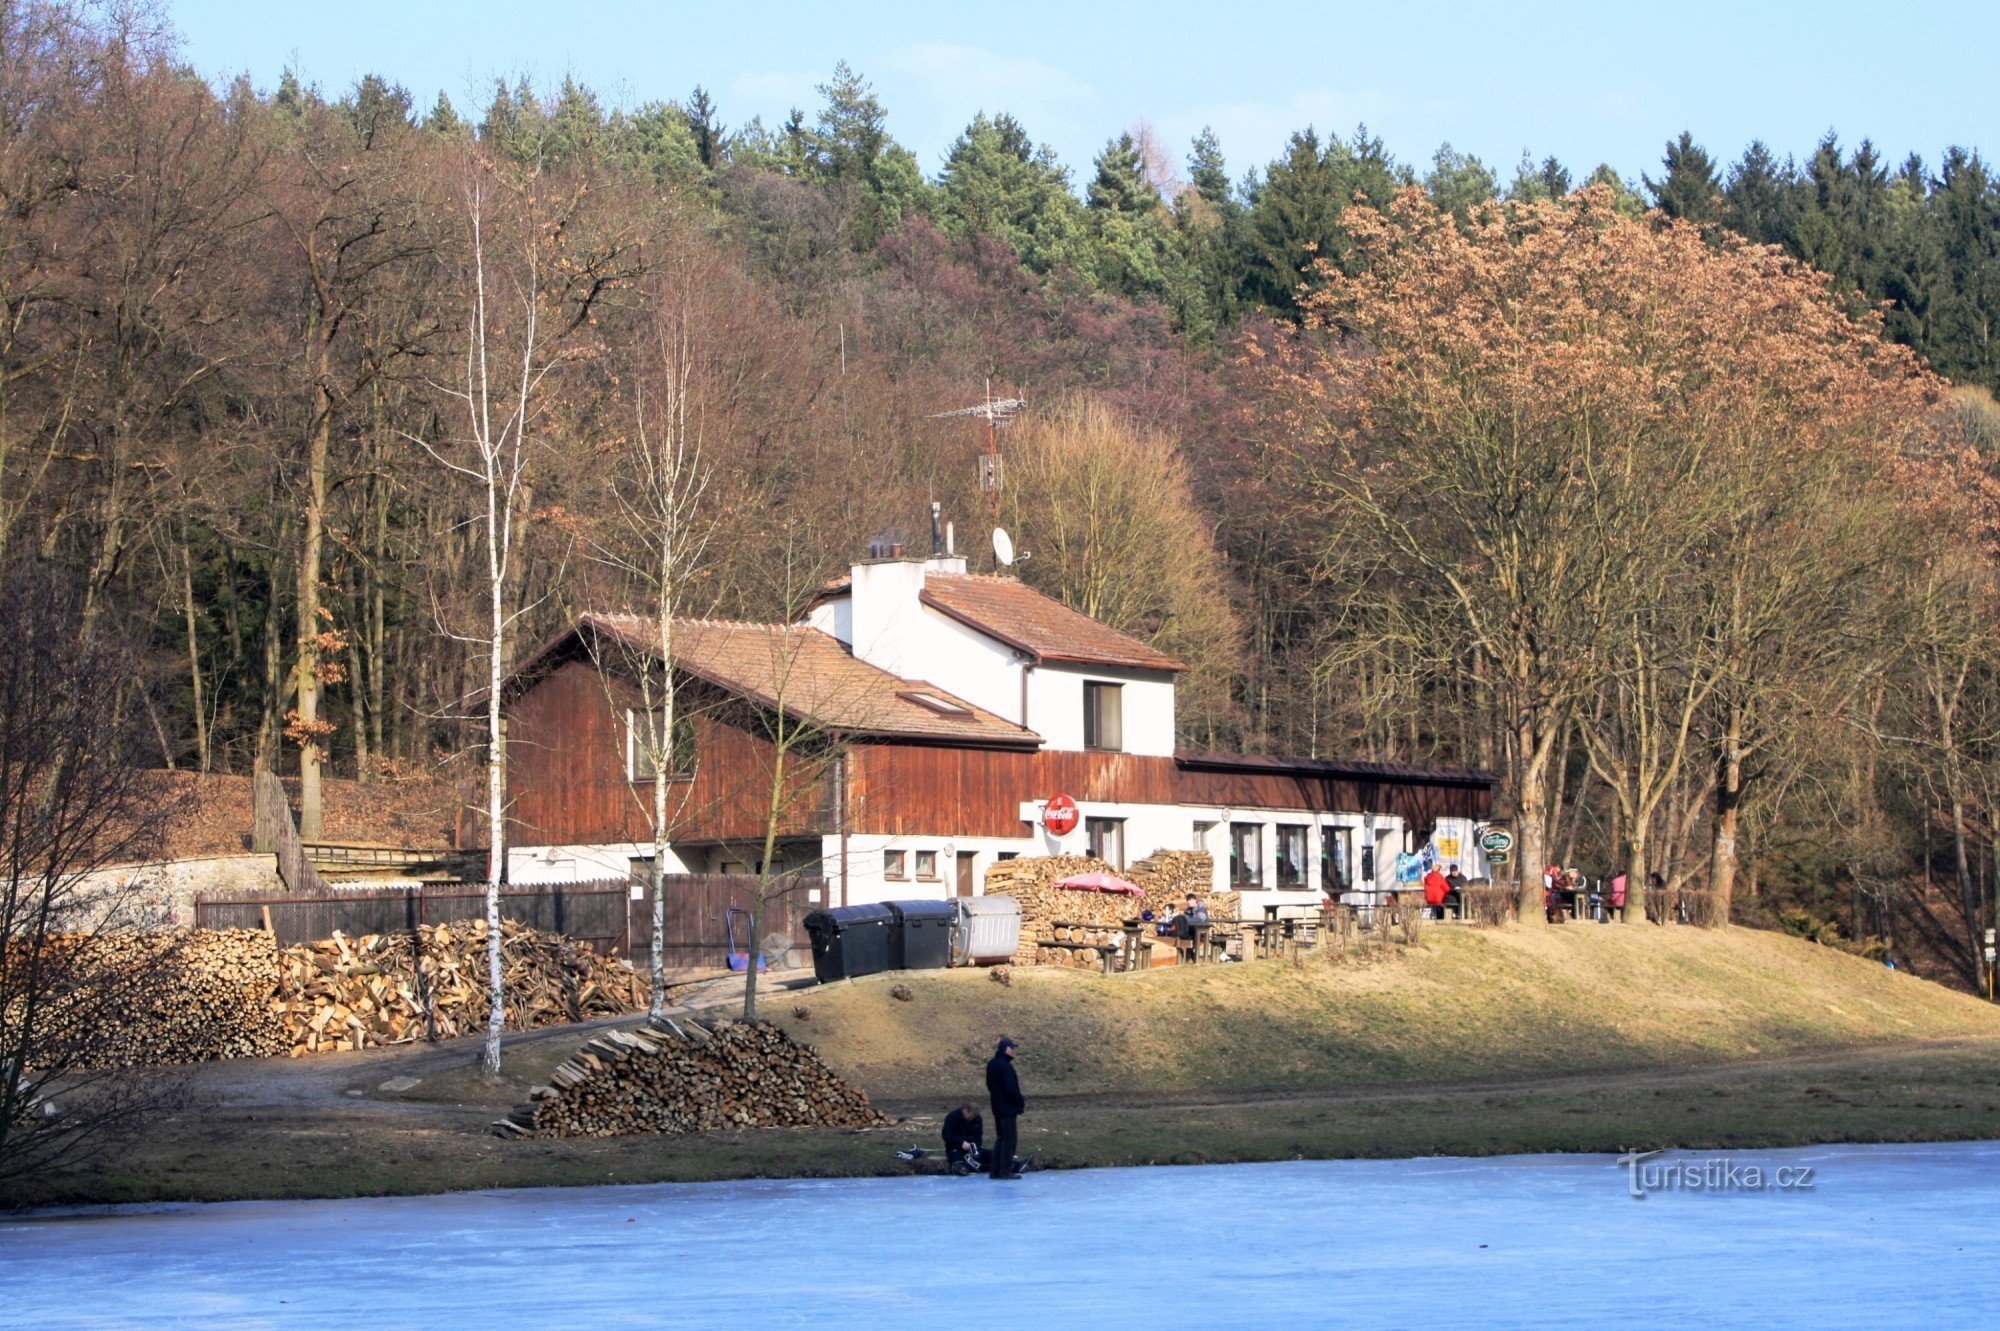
(996,412)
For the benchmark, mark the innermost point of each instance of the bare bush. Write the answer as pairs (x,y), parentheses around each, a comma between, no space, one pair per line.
(71,803)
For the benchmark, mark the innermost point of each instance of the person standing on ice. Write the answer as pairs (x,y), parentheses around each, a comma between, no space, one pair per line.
(1004,1086)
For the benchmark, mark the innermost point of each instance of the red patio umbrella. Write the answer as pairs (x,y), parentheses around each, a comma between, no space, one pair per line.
(1099,881)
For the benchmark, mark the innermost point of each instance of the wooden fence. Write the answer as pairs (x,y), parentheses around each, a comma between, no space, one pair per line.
(272,829)
(605,914)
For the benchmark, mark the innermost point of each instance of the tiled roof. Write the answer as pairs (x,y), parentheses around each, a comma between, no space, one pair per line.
(1046,629)
(821,684)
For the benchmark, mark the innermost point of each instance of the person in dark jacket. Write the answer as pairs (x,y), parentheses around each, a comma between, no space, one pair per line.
(1004,1086)
(964,1135)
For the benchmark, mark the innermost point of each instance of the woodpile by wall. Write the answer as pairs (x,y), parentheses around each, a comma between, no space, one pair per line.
(364,992)
(191,996)
(1167,877)
(678,1076)
(176,998)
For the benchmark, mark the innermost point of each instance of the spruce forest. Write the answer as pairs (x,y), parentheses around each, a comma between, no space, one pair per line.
(1669,496)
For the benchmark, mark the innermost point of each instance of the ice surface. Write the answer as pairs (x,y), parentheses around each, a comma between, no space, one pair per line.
(1888,1236)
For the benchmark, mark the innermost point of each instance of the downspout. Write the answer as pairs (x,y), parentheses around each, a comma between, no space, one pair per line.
(840,796)
(1027,669)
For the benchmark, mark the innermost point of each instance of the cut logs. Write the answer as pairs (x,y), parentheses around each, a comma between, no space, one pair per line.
(200,994)
(678,1076)
(143,998)
(363,992)
(1167,877)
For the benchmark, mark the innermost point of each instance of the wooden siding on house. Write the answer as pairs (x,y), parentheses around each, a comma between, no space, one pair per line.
(898,789)
(567,782)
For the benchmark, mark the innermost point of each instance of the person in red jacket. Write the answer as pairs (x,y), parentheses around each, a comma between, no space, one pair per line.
(1436,888)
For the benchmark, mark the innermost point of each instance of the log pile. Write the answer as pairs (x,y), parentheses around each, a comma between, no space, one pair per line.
(182,997)
(363,992)
(1168,877)
(678,1076)
(1031,881)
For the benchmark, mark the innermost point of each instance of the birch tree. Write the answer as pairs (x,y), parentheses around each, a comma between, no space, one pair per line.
(657,542)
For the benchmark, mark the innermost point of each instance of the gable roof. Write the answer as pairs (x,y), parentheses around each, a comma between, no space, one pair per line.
(1044,628)
(821,683)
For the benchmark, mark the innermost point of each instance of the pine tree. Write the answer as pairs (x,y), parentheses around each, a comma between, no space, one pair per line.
(1689,187)
(1120,185)
(377,106)
(576,127)
(1294,220)
(1759,201)
(1458,182)
(997,183)
(710,134)
(1207,171)
(658,142)
(444,120)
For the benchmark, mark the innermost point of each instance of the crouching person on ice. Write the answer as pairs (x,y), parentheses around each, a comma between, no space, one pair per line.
(964,1140)
(1004,1086)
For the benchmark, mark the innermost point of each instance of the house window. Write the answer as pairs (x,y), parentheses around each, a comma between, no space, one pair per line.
(1336,848)
(1246,855)
(1202,831)
(1107,839)
(895,864)
(927,865)
(1291,855)
(643,741)
(1103,716)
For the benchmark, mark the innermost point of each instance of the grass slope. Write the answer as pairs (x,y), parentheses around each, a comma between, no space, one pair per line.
(1463,1004)
(1477,1042)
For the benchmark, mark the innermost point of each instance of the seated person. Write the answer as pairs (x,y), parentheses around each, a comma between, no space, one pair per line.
(1454,897)
(964,1138)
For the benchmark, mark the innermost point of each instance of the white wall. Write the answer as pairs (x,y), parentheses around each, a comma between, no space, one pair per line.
(1055,707)
(885,624)
(869,882)
(534,866)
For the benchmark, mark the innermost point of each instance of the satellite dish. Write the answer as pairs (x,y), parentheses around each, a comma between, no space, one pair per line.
(1003,547)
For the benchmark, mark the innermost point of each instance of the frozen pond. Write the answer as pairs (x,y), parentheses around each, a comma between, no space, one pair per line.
(1885,1236)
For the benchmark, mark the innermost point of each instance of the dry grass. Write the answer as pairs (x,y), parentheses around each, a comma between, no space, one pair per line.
(1463,1004)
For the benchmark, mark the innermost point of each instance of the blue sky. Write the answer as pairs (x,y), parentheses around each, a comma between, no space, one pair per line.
(1588,82)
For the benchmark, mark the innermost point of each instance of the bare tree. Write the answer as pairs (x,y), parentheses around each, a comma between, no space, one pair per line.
(508,358)
(657,541)
(71,803)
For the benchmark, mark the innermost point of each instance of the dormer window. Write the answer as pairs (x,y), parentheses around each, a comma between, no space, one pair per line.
(1103,715)
(942,706)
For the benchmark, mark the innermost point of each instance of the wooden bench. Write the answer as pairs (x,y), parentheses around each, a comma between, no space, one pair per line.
(1106,952)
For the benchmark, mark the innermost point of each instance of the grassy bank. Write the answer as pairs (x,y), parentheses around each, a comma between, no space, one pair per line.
(1463,1004)
(1583,1039)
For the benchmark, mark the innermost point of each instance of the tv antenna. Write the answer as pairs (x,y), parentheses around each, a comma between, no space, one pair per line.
(996,412)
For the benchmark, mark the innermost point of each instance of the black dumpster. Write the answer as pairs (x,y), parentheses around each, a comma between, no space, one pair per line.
(920,940)
(850,940)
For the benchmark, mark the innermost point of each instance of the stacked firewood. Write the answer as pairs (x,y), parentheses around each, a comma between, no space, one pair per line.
(363,992)
(679,1076)
(1053,914)
(155,997)
(1169,875)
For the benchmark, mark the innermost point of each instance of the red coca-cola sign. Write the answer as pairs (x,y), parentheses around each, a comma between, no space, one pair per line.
(1060,815)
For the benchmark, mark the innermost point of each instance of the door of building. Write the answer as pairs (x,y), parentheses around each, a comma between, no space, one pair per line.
(965,859)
